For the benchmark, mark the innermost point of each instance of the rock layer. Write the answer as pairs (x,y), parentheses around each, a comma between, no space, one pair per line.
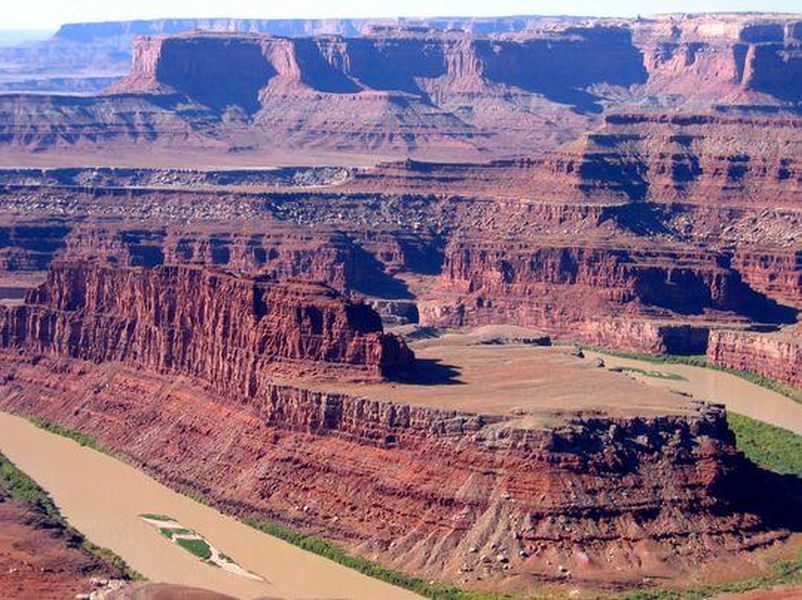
(396,92)
(439,493)
(778,356)
(230,331)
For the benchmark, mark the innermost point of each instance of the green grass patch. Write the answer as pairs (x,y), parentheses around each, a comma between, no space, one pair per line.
(197,547)
(23,489)
(772,447)
(77,436)
(157,517)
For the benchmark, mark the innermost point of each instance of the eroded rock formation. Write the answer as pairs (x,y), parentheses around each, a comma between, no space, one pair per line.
(416,91)
(437,492)
(774,355)
(229,331)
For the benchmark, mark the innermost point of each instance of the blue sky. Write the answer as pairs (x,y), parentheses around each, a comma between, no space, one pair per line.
(48,14)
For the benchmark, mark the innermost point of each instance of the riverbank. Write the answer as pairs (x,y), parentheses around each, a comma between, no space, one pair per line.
(104,498)
(735,391)
(41,555)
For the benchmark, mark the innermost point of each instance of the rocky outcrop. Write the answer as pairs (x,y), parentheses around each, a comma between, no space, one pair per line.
(776,273)
(228,331)
(724,157)
(436,492)
(736,58)
(774,355)
(559,288)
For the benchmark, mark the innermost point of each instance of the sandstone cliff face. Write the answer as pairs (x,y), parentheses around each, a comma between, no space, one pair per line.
(736,59)
(777,355)
(775,273)
(744,159)
(416,65)
(415,91)
(566,290)
(427,490)
(406,90)
(229,331)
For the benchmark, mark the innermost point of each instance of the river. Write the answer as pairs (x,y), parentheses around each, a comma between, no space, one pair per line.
(103,497)
(736,393)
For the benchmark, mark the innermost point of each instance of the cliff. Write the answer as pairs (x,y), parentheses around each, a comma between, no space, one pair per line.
(585,291)
(436,492)
(429,90)
(732,157)
(231,332)
(774,355)
(722,58)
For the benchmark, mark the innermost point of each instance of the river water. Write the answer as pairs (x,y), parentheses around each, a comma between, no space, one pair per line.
(103,497)
(737,394)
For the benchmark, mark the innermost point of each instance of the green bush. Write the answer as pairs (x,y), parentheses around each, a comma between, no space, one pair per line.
(82,439)
(196,546)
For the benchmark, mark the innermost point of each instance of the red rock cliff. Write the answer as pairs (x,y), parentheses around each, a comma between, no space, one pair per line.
(436,492)
(230,332)
(775,355)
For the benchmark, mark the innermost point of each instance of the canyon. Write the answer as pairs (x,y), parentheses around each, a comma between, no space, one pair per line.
(251,282)
(420,91)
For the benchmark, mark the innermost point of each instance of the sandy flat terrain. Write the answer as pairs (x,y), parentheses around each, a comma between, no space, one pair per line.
(542,384)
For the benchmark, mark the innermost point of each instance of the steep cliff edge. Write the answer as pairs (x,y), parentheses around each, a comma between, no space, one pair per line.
(232,332)
(774,355)
(483,500)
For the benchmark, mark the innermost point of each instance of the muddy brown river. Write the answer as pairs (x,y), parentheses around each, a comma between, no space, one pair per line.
(103,497)
(737,394)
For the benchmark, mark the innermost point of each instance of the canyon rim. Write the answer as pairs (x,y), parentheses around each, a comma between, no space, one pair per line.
(338,279)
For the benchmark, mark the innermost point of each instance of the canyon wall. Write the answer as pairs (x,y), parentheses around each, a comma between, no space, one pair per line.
(415,91)
(774,355)
(462,497)
(233,332)
(726,157)
(570,290)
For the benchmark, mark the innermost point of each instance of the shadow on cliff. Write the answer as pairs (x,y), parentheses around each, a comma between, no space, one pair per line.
(431,371)
(641,219)
(775,498)
(369,277)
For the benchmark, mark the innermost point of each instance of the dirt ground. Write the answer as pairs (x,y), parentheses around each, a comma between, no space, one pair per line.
(493,371)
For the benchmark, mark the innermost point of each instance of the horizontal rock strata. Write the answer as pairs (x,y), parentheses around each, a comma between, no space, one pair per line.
(436,492)
(232,332)
(774,355)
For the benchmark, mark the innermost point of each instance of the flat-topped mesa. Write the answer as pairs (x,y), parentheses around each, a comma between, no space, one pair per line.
(418,63)
(441,95)
(233,333)
(432,489)
(742,158)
